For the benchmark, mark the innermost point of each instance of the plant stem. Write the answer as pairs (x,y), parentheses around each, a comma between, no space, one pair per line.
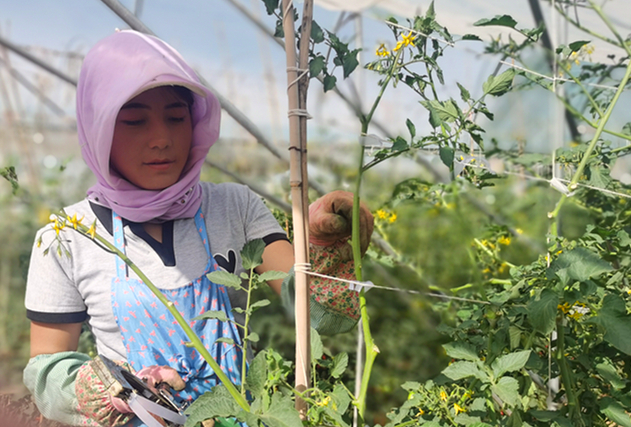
(371,348)
(599,130)
(245,334)
(566,376)
(609,25)
(195,341)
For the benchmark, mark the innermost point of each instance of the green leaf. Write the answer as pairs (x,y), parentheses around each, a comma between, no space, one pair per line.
(471,37)
(224,278)
(447,110)
(220,315)
(340,363)
(500,20)
(329,82)
(461,350)
(579,264)
(316,65)
(447,156)
(9,174)
(411,128)
(576,46)
(257,375)
(341,398)
(507,389)
(272,275)
(317,35)
(270,6)
(350,62)
(614,411)
(614,319)
(281,413)
(464,93)
(608,372)
(546,416)
(510,362)
(317,350)
(399,144)
(626,129)
(226,340)
(253,337)
(514,334)
(542,312)
(215,403)
(260,303)
(499,85)
(623,238)
(252,254)
(459,370)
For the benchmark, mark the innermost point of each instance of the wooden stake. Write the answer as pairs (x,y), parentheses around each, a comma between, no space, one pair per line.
(297,83)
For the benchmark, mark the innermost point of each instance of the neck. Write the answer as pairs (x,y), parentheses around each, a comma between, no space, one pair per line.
(154,230)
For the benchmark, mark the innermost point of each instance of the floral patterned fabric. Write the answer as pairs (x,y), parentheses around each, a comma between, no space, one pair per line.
(94,401)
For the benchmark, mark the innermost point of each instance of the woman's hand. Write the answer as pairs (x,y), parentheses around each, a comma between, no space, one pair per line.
(330,221)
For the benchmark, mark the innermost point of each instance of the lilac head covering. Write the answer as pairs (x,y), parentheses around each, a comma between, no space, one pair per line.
(116,69)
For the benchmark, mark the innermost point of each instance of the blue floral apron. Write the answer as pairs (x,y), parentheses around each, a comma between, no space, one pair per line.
(152,336)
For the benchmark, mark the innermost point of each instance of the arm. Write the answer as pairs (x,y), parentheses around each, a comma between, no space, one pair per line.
(50,338)
(278,256)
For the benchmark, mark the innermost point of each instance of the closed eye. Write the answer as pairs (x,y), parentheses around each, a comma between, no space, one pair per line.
(177,119)
(133,122)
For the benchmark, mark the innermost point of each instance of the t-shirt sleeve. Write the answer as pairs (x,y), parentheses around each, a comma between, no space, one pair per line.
(51,294)
(260,222)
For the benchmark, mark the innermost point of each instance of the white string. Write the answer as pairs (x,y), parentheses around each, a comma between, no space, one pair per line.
(299,112)
(555,184)
(403,27)
(357,286)
(543,76)
(296,69)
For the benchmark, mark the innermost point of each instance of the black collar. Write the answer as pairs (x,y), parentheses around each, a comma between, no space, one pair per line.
(165,250)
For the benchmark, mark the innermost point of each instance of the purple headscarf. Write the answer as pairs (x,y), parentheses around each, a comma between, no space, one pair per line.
(116,69)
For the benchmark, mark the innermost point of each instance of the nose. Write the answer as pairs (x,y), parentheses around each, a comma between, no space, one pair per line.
(160,135)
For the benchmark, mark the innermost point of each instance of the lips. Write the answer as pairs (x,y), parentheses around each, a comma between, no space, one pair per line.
(160,164)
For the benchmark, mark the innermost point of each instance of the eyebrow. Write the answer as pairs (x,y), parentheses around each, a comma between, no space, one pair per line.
(177,104)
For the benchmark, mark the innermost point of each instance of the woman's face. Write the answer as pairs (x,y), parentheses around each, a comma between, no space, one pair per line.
(152,139)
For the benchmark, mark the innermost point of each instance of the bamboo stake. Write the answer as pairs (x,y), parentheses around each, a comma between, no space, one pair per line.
(297,171)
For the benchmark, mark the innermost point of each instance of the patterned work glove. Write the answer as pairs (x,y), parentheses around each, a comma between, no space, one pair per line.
(333,307)
(330,222)
(96,403)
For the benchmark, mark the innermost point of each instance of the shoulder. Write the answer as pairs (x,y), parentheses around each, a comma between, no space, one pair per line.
(81,209)
(225,189)
(227,194)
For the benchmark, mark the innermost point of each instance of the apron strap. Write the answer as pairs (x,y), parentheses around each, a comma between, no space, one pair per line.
(119,242)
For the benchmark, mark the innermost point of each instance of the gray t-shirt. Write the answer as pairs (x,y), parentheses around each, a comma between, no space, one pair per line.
(62,289)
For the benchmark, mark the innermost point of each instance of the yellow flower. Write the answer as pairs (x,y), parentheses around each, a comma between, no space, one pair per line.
(576,315)
(458,408)
(381,214)
(39,242)
(504,240)
(502,267)
(443,396)
(74,221)
(421,411)
(92,230)
(392,218)
(58,226)
(398,46)
(565,308)
(406,40)
(467,394)
(486,270)
(519,231)
(382,51)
